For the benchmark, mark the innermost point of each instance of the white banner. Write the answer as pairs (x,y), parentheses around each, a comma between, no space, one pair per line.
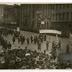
(50,31)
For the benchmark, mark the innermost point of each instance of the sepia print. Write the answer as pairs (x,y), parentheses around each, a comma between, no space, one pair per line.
(36,36)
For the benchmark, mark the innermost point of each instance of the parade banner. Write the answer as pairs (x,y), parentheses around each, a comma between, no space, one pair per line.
(50,31)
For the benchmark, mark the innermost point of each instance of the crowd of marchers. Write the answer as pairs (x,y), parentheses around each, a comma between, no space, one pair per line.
(26,58)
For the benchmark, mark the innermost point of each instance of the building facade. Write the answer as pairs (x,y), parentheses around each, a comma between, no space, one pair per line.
(9,16)
(55,16)
(62,16)
(26,15)
(1,14)
(33,17)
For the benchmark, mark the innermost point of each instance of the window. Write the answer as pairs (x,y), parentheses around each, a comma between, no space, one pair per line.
(67,16)
(62,6)
(63,16)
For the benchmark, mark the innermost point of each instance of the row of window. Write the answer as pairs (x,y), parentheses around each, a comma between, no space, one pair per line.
(67,16)
(62,6)
(55,6)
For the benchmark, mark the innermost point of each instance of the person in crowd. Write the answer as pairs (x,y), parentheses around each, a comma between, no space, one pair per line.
(67,49)
(39,45)
(41,37)
(28,41)
(35,40)
(5,45)
(13,39)
(31,39)
(45,37)
(26,49)
(19,40)
(53,51)
(22,40)
(47,45)
(44,51)
(9,45)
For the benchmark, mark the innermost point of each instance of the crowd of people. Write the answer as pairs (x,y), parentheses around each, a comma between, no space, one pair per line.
(26,58)
(33,39)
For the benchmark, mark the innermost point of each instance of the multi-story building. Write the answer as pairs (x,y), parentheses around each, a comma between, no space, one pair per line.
(62,16)
(11,15)
(55,16)
(1,14)
(30,16)
(26,16)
